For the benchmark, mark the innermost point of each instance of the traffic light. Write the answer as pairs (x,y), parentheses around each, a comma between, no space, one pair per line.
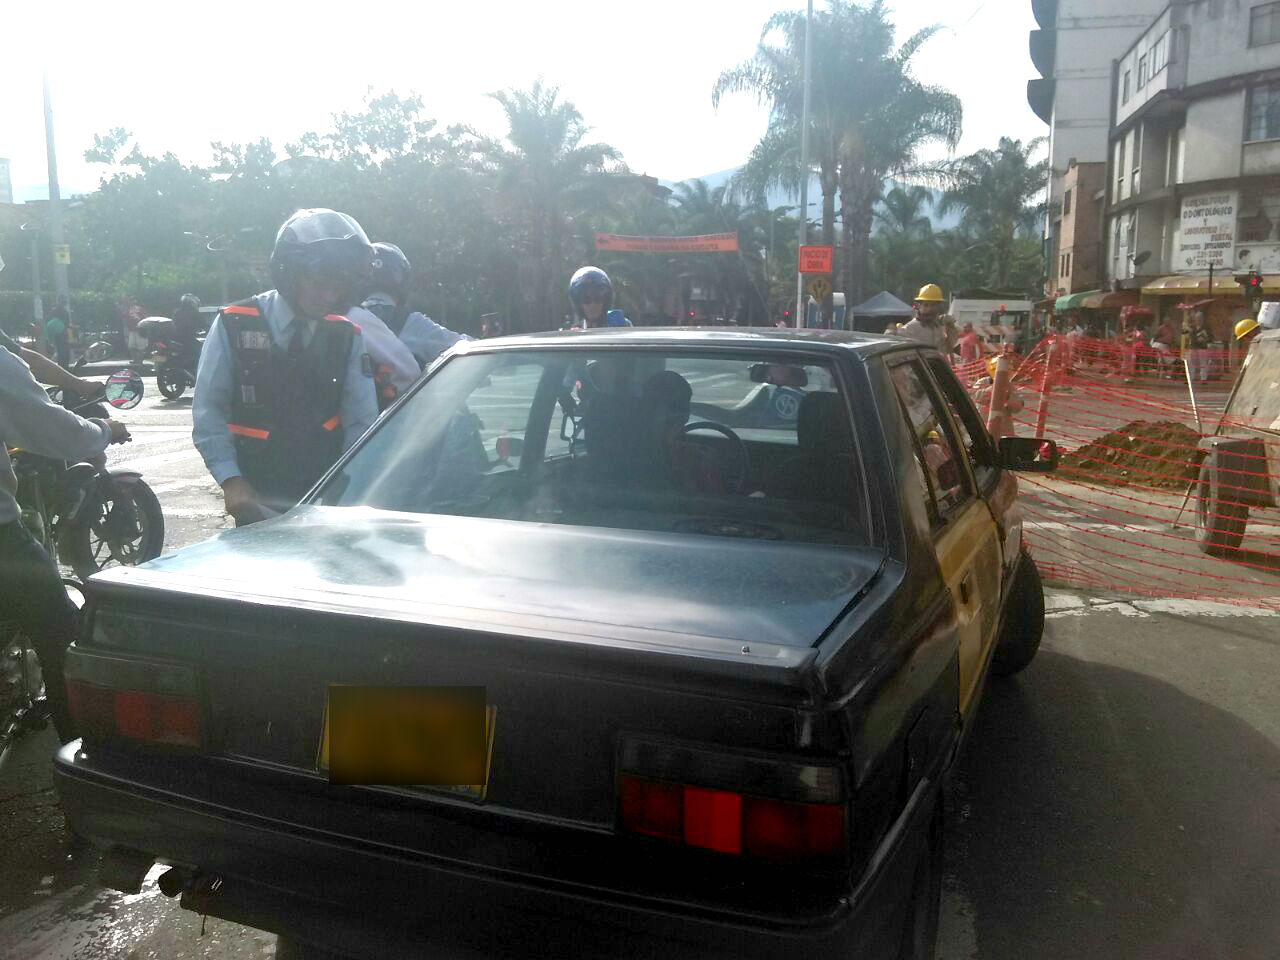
(1250,283)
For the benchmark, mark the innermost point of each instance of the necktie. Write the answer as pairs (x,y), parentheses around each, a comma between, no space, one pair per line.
(295,343)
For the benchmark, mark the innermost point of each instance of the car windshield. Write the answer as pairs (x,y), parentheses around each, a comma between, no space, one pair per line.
(754,446)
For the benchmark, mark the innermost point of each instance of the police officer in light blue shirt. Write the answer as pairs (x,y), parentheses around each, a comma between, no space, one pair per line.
(388,288)
(285,381)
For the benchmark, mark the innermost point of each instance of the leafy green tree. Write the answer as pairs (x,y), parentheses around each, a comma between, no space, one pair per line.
(738,278)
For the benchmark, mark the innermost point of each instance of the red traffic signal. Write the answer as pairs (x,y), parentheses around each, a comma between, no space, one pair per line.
(692,314)
(1251,281)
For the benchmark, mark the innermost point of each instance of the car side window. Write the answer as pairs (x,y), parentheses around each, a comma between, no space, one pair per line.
(973,434)
(937,446)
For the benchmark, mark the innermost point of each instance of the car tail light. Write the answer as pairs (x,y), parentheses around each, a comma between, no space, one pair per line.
(750,806)
(139,700)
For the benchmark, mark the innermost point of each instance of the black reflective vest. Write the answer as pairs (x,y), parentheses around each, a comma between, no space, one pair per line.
(284,409)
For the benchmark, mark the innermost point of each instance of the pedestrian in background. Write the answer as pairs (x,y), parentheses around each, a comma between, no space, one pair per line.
(57,332)
(1199,340)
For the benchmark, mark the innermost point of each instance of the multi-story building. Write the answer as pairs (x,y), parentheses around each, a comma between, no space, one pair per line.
(1074,51)
(1193,176)
(1077,264)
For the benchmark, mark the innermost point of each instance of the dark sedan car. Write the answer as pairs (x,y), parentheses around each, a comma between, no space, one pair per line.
(699,669)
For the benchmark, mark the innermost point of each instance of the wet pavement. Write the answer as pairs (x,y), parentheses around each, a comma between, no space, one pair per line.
(51,907)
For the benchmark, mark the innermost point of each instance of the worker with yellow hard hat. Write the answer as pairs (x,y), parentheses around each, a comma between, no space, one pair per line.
(926,325)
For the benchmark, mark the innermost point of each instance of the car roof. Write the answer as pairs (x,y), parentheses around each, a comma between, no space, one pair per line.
(862,345)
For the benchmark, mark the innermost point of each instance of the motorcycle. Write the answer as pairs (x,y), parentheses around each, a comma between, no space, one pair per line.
(88,517)
(73,511)
(173,360)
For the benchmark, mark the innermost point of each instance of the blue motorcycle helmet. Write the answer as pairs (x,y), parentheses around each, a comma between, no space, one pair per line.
(318,242)
(389,270)
(587,281)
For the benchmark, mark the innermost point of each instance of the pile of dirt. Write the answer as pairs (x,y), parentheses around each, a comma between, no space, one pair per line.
(1159,454)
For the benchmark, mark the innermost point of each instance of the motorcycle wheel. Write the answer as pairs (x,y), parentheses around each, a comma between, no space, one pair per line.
(172,383)
(88,547)
(21,686)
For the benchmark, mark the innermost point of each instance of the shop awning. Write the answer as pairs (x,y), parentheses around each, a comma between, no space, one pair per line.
(1224,284)
(1075,301)
(1110,301)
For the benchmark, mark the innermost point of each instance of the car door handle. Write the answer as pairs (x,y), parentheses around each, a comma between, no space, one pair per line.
(966,587)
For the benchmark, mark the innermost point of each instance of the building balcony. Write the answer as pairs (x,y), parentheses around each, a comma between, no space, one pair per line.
(1043,44)
(1040,97)
(1046,13)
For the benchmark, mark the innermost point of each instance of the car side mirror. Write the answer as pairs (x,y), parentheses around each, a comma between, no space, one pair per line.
(508,447)
(1028,454)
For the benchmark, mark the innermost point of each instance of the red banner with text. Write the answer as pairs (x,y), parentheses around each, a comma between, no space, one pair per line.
(708,243)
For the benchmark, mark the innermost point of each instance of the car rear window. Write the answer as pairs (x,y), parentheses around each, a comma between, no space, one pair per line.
(753,446)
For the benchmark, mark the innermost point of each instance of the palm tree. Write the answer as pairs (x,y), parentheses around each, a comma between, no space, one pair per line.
(996,192)
(546,179)
(739,278)
(893,117)
(869,116)
(902,210)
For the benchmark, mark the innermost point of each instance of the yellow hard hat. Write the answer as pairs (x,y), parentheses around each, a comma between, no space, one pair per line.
(992,363)
(1245,327)
(929,293)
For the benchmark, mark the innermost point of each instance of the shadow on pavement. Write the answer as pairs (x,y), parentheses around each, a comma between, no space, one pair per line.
(1104,814)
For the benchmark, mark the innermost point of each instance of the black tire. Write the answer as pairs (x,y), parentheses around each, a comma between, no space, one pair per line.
(920,935)
(1024,621)
(87,552)
(1219,523)
(172,383)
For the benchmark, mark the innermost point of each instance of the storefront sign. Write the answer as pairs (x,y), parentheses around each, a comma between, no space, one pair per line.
(1207,236)
(707,243)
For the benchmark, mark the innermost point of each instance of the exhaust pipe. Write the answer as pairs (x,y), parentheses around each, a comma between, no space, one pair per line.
(175,881)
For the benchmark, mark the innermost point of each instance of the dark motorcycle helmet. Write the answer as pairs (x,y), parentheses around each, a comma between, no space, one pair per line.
(590,280)
(324,243)
(389,270)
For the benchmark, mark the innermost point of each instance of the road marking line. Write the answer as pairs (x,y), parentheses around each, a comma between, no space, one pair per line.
(1087,526)
(155,460)
(169,486)
(1058,605)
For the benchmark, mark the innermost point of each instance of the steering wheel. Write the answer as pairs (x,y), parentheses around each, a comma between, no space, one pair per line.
(739,448)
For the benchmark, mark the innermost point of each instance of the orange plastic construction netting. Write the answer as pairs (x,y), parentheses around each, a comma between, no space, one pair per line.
(1160,491)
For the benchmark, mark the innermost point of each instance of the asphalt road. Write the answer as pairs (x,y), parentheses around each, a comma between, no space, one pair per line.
(1120,799)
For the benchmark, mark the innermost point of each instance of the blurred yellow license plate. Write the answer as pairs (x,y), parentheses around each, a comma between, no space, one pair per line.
(440,738)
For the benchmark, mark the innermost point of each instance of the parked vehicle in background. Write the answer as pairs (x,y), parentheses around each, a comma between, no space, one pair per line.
(1241,469)
(687,674)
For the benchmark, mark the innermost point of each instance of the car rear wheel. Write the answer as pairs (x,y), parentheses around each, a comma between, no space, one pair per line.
(1024,624)
(920,937)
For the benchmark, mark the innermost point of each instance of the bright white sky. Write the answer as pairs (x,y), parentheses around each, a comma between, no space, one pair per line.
(182,75)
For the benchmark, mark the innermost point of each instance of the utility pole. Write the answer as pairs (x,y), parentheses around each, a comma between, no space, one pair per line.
(60,287)
(37,295)
(804,160)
